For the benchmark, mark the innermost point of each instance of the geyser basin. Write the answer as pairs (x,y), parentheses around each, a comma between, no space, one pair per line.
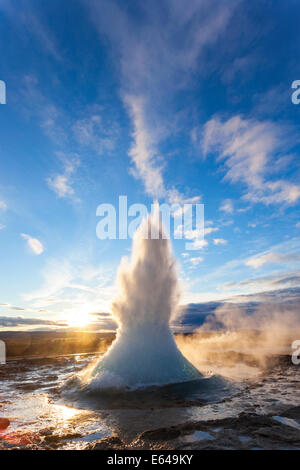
(144,352)
(143,358)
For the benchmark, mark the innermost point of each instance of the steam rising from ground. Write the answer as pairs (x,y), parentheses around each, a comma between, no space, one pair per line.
(234,342)
(144,352)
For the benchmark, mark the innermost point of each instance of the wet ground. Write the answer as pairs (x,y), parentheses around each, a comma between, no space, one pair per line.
(259,411)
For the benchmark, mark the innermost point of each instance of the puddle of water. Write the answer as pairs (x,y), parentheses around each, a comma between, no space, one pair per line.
(197,436)
(287,421)
(244,438)
(218,429)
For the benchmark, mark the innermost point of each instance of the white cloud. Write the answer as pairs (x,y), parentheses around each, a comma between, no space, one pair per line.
(56,276)
(148,163)
(235,268)
(227,206)
(208,230)
(198,244)
(148,50)
(61,183)
(195,260)
(219,241)
(153,66)
(250,150)
(73,287)
(196,234)
(92,132)
(56,124)
(278,280)
(3,205)
(18,321)
(143,152)
(2,226)
(272,258)
(31,24)
(51,119)
(193,234)
(34,244)
(174,197)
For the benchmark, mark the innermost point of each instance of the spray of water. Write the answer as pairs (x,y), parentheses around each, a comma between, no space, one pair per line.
(144,352)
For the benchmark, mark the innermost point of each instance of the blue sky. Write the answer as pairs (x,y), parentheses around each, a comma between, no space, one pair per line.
(162,100)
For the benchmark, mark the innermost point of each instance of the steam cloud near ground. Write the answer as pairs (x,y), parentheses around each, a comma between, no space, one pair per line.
(235,340)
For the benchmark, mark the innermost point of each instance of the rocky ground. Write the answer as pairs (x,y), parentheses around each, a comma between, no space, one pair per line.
(262,414)
(242,432)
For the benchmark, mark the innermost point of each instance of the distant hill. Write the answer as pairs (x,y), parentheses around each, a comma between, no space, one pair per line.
(53,343)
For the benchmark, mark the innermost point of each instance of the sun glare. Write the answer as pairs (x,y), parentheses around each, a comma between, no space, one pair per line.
(65,412)
(79,318)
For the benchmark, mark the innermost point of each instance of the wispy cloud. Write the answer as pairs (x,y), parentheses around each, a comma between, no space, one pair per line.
(148,163)
(27,18)
(61,183)
(209,230)
(30,22)
(3,208)
(196,235)
(154,66)
(227,206)
(91,131)
(219,241)
(56,276)
(44,36)
(70,286)
(33,244)
(53,122)
(38,105)
(3,205)
(198,244)
(148,48)
(194,261)
(251,150)
(143,152)
(278,280)
(272,258)
(235,268)
(21,321)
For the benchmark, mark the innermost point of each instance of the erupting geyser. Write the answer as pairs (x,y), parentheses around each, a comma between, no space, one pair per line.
(144,352)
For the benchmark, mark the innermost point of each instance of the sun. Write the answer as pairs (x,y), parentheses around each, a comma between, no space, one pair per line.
(79,317)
